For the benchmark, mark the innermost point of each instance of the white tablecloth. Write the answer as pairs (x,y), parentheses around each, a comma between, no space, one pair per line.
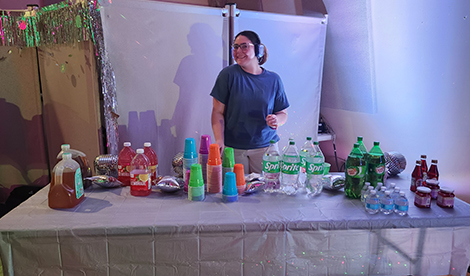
(114,233)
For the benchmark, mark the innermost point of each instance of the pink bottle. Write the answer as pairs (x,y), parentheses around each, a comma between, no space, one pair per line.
(152,156)
(124,163)
(140,176)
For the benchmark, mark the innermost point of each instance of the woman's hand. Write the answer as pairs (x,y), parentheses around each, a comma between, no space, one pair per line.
(272,121)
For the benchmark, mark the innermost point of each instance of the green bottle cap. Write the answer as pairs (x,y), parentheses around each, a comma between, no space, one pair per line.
(195,178)
(228,160)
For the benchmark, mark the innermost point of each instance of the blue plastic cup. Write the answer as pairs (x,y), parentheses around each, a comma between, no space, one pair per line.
(229,192)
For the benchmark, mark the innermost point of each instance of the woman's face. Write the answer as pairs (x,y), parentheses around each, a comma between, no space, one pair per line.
(245,54)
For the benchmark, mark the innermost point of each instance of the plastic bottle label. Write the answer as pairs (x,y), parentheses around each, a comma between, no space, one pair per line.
(401,207)
(445,201)
(423,201)
(315,168)
(290,168)
(141,180)
(386,206)
(379,169)
(123,170)
(271,167)
(303,161)
(356,171)
(78,184)
(372,206)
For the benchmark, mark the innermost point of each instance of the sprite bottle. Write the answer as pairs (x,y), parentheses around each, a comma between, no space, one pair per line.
(355,173)
(375,165)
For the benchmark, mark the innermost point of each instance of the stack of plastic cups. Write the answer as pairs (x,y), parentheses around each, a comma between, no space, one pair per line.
(240,177)
(204,155)
(189,158)
(196,184)
(228,162)
(230,193)
(214,170)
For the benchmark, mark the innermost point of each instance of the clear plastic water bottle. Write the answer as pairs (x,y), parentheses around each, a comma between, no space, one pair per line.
(290,170)
(391,186)
(367,194)
(401,204)
(386,203)
(372,203)
(272,168)
(395,194)
(381,192)
(364,191)
(305,151)
(314,165)
(378,186)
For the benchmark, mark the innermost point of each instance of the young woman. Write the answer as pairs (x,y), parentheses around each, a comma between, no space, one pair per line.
(249,103)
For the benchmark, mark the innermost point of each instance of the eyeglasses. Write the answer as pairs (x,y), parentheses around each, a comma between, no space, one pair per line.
(243,46)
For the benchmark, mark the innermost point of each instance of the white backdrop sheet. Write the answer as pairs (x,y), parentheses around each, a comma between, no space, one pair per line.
(166,58)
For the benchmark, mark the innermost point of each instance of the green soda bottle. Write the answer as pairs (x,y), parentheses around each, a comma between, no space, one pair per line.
(375,165)
(355,173)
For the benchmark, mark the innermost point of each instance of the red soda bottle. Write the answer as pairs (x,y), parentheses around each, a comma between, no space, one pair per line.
(433,173)
(424,167)
(124,163)
(152,156)
(141,180)
(416,177)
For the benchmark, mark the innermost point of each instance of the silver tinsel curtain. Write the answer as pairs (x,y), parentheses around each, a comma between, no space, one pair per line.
(66,22)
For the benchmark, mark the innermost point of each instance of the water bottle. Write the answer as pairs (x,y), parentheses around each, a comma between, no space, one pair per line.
(395,194)
(315,163)
(152,156)
(367,194)
(364,190)
(355,173)
(401,204)
(375,165)
(290,170)
(378,186)
(272,168)
(372,203)
(140,175)
(391,186)
(305,151)
(124,163)
(386,203)
(381,192)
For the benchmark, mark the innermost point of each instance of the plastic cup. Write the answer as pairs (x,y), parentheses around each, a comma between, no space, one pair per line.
(190,148)
(196,184)
(240,178)
(228,159)
(214,155)
(205,142)
(326,168)
(229,193)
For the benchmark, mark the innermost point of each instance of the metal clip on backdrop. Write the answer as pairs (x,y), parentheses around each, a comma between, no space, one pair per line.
(231,12)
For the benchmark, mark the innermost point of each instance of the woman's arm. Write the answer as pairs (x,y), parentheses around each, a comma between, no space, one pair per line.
(277,119)
(218,122)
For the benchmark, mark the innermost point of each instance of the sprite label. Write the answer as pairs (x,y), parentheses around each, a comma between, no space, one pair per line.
(290,168)
(271,167)
(314,168)
(303,161)
(356,171)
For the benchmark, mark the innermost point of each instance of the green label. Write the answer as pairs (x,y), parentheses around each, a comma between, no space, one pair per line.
(271,167)
(356,171)
(314,168)
(303,162)
(378,169)
(78,183)
(290,168)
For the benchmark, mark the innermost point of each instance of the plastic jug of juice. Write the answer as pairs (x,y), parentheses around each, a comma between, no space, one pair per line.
(81,159)
(152,156)
(124,163)
(66,189)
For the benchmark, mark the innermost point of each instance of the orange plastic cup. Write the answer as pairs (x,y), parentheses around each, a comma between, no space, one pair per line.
(240,177)
(214,155)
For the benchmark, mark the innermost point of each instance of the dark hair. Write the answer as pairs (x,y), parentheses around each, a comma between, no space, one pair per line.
(254,38)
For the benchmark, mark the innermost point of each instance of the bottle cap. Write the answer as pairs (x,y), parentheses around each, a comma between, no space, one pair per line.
(373,192)
(147,144)
(190,148)
(229,159)
(239,174)
(356,145)
(214,155)
(230,193)
(423,156)
(387,192)
(140,151)
(66,155)
(359,138)
(126,144)
(316,143)
(309,138)
(376,143)
(402,193)
(195,176)
(291,142)
(205,142)
(65,147)
(434,161)
(447,190)
(425,190)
